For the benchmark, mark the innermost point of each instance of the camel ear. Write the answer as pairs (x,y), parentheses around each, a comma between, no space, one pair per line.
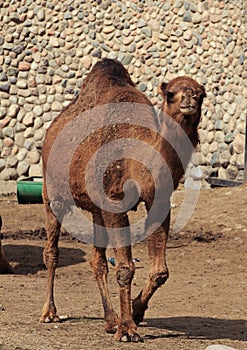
(202,91)
(169,96)
(162,89)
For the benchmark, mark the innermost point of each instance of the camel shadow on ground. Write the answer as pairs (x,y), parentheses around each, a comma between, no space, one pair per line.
(191,327)
(195,327)
(28,259)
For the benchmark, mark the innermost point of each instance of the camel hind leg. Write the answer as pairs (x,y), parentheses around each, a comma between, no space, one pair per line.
(100,269)
(50,257)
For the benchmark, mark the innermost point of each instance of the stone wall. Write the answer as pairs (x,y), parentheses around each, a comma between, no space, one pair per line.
(48,47)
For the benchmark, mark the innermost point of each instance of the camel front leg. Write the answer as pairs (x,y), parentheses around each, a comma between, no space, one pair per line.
(158,274)
(4,264)
(118,229)
(100,270)
(50,257)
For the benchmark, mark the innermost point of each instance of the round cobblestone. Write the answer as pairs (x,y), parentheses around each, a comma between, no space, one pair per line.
(44,63)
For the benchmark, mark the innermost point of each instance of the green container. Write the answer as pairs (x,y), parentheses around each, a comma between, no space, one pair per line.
(29,190)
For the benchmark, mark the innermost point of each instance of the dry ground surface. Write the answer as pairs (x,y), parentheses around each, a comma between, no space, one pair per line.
(204,301)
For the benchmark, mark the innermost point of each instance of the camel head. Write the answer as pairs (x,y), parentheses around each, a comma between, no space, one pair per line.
(182,100)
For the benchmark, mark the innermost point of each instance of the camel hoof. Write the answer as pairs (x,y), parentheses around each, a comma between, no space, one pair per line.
(49,319)
(136,338)
(111,323)
(133,338)
(125,338)
(111,330)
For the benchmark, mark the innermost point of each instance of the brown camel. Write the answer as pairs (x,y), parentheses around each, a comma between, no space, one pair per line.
(4,264)
(109,114)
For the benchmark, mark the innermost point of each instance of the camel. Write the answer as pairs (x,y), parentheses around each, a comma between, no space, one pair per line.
(119,113)
(4,264)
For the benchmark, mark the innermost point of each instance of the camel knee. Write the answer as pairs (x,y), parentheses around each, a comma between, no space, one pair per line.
(124,276)
(159,278)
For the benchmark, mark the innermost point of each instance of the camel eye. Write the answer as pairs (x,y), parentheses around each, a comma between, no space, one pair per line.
(194,96)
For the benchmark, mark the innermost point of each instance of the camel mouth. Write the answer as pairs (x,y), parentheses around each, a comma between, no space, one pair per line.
(188,110)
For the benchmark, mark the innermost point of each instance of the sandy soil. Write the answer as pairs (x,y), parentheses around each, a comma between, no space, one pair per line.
(204,301)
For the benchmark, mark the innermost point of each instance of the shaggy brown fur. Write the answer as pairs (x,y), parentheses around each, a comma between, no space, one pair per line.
(108,84)
(4,264)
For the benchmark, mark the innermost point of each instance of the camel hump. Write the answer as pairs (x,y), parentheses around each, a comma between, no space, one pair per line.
(113,70)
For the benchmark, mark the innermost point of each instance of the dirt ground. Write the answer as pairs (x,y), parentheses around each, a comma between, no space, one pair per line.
(204,302)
